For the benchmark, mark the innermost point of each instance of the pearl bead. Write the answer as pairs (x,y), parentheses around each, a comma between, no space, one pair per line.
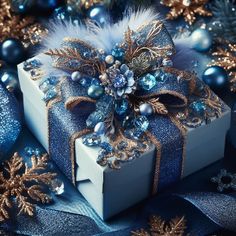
(103,77)
(95,91)
(99,128)
(201,40)
(145,109)
(109,59)
(75,76)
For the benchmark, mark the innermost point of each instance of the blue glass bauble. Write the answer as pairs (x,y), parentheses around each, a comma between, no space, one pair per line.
(21,6)
(99,15)
(47,4)
(12,51)
(10,120)
(201,40)
(9,78)
(215,77)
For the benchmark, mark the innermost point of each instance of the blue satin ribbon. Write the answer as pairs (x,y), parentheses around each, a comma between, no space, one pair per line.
(10,120)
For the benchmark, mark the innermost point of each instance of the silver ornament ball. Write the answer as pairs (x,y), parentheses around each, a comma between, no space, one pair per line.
(201,40)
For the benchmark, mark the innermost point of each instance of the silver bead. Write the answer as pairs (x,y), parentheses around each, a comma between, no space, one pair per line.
(109,59)
(145,109)
(76,75)
(201,40)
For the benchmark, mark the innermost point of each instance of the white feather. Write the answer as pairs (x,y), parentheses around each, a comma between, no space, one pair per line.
(102,38)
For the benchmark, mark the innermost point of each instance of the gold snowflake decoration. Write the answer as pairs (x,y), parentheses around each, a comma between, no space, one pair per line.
(188,8)
(226,58)
(159,227)
(23,28)
(23,185)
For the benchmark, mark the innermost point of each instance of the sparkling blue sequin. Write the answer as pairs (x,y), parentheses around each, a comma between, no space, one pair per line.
(92,140)
(121,106)
(141,123)
(147,82)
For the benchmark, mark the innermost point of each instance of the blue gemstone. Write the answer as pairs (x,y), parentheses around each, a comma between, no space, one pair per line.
(160,76)
(107,147)
(91,140)
(105,104)
(31,64)
(117,52)
(85,82)
(37,152)
(120,81)
(95,118)
(121,106)
(29,151)
(48,83)
(50,94)
(95,91)
(141,123)
(147,82)
(198,108)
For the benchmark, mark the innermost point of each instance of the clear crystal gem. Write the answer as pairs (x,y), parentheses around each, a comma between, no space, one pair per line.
(92,140)
(95,118)
(57,186)
(141,123)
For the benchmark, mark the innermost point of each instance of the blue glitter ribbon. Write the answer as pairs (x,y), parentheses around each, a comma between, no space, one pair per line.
(10,120)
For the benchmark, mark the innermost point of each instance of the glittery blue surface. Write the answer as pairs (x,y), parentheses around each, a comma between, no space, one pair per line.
(10,120)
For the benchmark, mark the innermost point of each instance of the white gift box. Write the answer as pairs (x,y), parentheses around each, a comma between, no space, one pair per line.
(112,191)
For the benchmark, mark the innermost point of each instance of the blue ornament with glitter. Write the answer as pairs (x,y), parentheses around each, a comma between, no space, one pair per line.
(10,120)
(215,77)
(147,82)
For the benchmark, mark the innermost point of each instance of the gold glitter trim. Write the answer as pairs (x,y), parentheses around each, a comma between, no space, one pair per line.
(158,161)
(74,101)
(183,131)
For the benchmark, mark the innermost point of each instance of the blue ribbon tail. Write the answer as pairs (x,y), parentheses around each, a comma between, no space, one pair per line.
(219,208)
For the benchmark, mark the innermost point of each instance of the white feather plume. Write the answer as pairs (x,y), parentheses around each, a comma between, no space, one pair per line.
(102,38)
